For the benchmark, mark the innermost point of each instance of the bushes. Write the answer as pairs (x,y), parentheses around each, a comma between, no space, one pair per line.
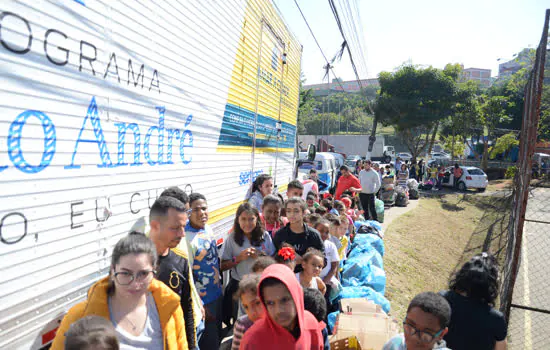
(511,172)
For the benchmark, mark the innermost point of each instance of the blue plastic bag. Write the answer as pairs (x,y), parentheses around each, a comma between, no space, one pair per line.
(362,256)
(332,320)
(366,292)
(372,223)
(373,277)
(362,240)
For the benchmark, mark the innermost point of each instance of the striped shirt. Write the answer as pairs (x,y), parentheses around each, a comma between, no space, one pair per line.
(242,325)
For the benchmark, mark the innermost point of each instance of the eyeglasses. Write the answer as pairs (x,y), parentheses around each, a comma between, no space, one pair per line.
(425,337)
(125,278)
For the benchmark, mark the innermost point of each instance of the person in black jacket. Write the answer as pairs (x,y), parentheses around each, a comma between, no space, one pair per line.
(475,323)
(296,232)
(167,219)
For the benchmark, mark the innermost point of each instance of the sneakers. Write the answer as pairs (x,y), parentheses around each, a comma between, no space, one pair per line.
(435,189)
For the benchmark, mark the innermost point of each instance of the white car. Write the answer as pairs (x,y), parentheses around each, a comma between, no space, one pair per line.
(351,161)
(472,177)
(404,156)
(440,156)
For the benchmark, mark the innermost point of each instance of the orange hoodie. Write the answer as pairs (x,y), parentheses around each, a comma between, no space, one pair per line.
(168,306)
(266,334)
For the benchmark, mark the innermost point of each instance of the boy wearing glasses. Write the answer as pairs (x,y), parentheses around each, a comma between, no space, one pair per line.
(428,316)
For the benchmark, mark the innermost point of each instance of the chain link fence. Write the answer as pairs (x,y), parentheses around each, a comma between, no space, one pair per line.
(529,319)
(525,286)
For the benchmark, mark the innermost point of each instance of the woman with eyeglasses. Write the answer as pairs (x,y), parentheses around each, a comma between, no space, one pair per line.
(475,323)
(146,314)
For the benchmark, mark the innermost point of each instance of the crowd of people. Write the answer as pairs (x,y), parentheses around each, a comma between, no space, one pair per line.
(283,257)
(402,171)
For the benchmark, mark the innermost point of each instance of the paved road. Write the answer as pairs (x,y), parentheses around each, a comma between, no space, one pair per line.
(528,329)
(395,212)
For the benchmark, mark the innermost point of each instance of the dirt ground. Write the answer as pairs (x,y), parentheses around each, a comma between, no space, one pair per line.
(425,246)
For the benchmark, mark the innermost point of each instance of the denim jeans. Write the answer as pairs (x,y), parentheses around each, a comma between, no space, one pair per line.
(212,328)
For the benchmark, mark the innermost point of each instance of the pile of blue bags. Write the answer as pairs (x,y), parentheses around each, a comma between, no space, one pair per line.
(363,274)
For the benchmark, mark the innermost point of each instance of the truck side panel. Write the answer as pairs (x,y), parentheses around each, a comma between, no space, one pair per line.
(103,104)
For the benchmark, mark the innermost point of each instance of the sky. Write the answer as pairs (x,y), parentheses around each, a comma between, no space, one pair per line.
(475,33)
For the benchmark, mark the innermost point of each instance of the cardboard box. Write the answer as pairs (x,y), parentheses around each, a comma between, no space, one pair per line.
(359,306)
(349,343)
(372,330)
(365,320)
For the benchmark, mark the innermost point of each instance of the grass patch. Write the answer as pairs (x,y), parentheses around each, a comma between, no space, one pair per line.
(385,130)
(424,247)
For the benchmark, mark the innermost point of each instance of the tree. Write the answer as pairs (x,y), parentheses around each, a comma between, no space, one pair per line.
(455,144)
(306,108)
(464,119)
(414,100)
(504,144)
(493,114)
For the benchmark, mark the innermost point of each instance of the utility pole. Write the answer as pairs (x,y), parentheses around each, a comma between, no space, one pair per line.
(327,68)
(339,116)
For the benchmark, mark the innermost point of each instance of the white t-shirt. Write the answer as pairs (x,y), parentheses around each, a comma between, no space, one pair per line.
(331,253)
(150,339)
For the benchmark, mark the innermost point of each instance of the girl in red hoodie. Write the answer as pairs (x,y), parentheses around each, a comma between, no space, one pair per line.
(287,325)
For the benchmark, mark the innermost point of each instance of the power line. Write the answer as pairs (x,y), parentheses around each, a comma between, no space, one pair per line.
(319,46)
(339,23)
(361,37)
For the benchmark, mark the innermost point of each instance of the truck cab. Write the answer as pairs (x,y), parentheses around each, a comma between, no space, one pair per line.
(389,151)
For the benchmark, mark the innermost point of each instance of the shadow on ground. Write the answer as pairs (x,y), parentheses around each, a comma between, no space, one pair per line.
(491,232)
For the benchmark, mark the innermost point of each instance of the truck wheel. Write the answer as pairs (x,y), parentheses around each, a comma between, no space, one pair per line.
(387,159)
(462,186)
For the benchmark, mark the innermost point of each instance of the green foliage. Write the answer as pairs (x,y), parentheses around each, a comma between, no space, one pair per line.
(494,111)
(544,123)
(464,119)
(511,172)
(454,71)
(503,144)
(413,97)
(414,100)
(456,146)
(306,109)
(351,120)
(336,113)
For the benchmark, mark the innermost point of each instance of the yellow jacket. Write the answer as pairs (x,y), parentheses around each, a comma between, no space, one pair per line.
(168,306)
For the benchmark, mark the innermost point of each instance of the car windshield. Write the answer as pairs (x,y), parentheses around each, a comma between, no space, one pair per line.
(475,171)
(305,166)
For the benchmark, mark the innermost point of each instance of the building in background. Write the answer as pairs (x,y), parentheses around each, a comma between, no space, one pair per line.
(482,76)
(522,59)
(337,85)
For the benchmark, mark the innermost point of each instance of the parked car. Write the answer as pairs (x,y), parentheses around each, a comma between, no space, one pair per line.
(351,161)
(404,156)
(472,177)
(439,156)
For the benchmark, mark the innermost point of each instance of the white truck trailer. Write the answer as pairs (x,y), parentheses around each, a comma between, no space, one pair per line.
(103,104)
(353,145)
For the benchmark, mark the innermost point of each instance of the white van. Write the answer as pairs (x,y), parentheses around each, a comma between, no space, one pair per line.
(339,159)
(325,164)
(104,104)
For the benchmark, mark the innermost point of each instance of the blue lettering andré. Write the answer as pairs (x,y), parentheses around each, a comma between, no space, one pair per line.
(92,122)
(244,177)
